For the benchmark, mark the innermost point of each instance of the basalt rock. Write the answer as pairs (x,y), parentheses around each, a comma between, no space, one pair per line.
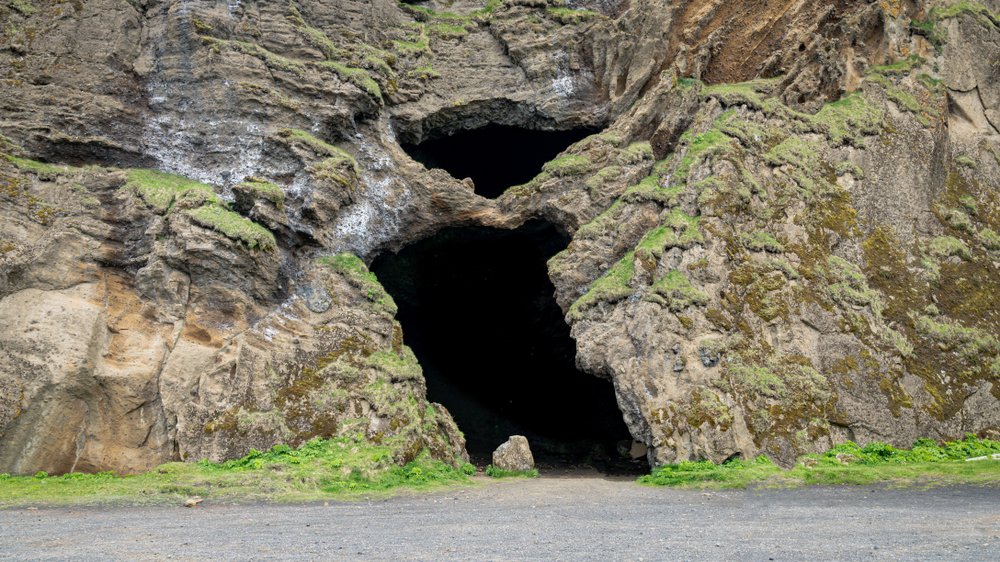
(784,237)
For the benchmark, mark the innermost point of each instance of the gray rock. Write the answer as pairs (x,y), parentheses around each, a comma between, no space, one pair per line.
(514,455)
(317,299)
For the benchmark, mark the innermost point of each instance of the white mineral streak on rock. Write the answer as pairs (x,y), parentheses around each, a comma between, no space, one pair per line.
(384,200)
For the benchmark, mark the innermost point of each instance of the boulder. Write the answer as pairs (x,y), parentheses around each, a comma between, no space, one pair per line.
(514,455)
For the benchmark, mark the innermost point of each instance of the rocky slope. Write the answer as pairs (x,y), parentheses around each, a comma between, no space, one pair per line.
(784,237)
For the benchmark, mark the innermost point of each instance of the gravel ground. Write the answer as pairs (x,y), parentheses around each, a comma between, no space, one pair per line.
(543,519)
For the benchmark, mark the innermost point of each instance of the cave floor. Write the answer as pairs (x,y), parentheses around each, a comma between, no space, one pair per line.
(537,519)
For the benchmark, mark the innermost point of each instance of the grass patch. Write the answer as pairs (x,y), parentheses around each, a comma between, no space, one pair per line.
(42,170)
(496,472)
(161,190)
(926,463)
(234,226)
(341,468)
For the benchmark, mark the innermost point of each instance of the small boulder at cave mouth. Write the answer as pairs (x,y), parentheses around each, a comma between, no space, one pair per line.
(514,455)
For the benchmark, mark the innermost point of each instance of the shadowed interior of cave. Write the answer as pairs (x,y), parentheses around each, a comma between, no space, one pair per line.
(495,157)
(477,308)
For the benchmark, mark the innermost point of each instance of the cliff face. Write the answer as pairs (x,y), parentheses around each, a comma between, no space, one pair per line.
(785,236)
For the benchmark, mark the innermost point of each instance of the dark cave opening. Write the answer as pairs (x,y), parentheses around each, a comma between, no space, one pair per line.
(495,157)
(477,308)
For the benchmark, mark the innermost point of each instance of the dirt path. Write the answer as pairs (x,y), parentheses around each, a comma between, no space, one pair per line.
(545,519)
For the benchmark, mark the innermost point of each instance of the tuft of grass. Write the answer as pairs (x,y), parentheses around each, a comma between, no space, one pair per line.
(925,463)
(568,165)
(234,226)
(358,275)
(342,468)
(495,472)
(260,188)
(42,170)
(966,161)
(161,190)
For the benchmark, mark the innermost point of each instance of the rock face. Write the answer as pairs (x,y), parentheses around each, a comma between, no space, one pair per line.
(514,455)
(785,237)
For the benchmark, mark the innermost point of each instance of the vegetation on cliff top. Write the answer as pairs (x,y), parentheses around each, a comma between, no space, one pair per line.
(340,468)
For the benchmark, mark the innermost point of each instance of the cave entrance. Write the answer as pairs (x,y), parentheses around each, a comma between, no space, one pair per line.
(477,308)
(495,157)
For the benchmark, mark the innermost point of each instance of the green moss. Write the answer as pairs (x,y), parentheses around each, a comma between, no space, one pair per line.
(845,121)
(356,76)
(649,190)
(846,285)
(675,291)
(446,31)
(978,12)
(966,161)
(699,148)
(989,239)
(357,274)
(946,246)
(401,366)
(752,94)
(42,170)
(612,287)
(568,165)
(233,226)
(340,166)
(602,224)
(270,96)
(635,153)
(850,168)
(424,73)
(760,241)
(958,220)
(969,202)
(262,189)
(805,166)
(159,189)
(272,60)
(679,230)
(971,343)
(900,68)
(567,16)
(596,182)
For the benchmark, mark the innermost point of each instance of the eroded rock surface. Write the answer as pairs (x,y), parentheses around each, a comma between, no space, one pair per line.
(784,237)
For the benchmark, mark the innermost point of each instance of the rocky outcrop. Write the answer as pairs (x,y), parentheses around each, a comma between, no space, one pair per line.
(784,236)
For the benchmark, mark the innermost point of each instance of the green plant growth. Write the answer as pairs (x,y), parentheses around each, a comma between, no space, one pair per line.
(899,68)
(496,472)
(850,168)
(966,161)
(42,170)
(356,76)
(675,291)
(218,217)
(339,468)
(568,165)
(272,60)
(160,190)
(760,241)
(612,287)
(971,343)
(358,275)
(989,239)
(262,189)
(925,463)
(947,246)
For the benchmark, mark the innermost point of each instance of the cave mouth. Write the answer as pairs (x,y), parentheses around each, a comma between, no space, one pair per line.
(477,308)
(495,157)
